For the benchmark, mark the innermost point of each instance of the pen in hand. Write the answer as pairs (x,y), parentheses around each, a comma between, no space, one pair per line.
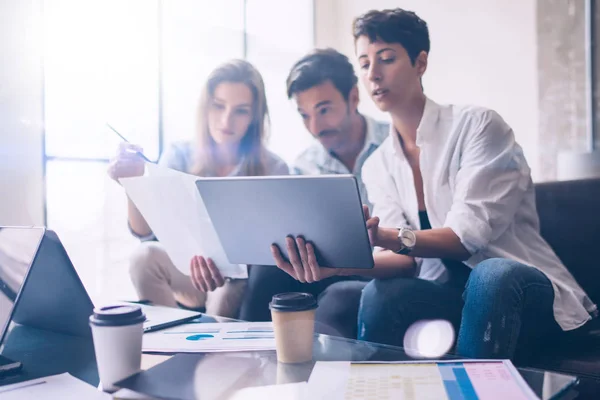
(139,153)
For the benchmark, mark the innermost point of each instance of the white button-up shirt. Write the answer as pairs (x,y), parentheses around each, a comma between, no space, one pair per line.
(477,182)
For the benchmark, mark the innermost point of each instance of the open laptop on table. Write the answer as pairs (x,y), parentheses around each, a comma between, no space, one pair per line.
(40,288)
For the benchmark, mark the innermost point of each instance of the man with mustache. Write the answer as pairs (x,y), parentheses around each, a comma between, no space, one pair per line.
(324,87)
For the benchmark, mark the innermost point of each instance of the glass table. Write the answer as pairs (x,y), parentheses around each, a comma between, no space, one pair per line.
(46,353)
(203,371)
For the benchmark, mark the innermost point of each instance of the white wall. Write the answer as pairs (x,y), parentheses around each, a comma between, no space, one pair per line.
(483,52)
(21,166)
(274,46)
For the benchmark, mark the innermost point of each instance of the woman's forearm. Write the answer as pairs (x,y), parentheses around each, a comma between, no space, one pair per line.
(387,265)
(431,243)
(136,221)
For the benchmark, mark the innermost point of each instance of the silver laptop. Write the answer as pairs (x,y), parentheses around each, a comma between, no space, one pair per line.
(40,288)
(251,213)
(38,285)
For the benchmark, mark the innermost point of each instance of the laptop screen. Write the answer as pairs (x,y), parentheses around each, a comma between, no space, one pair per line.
(18,247)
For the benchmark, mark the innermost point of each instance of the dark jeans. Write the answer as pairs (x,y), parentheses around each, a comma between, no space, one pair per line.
(338,298)
(506,308)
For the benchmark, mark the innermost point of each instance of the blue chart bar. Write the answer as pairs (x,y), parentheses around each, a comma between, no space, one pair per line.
(465,384)
(457,383)
(453,390)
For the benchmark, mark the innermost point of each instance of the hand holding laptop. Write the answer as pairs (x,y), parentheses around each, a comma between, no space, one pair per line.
(303,265)
(372,226)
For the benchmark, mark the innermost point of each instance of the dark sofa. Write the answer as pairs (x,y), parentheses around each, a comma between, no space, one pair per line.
(570,221)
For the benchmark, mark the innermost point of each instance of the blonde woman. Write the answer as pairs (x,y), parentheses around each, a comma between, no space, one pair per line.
(232,130)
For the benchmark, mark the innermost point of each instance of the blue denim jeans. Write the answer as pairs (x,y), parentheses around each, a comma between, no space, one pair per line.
(506,308)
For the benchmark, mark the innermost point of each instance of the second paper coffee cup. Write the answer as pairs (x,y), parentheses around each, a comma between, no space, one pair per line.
(293,316)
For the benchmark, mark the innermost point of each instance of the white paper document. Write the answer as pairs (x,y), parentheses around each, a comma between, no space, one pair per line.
(425,379)
(173,208)
(288,391)
(211,337)
(126,394)
(57,387)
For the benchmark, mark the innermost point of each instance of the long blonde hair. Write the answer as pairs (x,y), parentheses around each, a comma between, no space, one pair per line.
(252,146)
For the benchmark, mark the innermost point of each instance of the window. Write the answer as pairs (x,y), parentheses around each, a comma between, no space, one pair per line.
(139,65)
(100,65)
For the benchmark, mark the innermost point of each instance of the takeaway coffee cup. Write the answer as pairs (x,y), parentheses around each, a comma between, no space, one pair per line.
(117,331)
(293,317)
(293,373)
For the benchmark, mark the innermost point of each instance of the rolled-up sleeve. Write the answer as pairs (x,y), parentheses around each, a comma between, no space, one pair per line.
(145,238)
(490,184)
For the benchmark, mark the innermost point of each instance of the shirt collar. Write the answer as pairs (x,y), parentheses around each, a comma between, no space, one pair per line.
(325,158)
(427,126)
(429,120)
(370,138)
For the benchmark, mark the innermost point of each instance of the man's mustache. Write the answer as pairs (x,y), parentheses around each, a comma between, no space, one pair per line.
(327,132)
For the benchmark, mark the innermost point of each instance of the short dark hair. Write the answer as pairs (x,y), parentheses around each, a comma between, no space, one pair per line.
(394,26)
(319,66)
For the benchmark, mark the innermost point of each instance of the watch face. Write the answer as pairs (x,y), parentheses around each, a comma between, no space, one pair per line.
(408,238)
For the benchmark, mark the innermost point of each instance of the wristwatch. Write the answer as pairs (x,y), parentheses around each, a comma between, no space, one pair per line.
(407,239)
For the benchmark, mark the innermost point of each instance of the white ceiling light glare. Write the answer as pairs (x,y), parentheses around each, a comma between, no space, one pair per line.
(429,339)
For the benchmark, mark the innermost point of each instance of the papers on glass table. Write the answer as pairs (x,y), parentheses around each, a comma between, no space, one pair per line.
(59,387)
(172,206)
(440,380)
(288,391)
(211,337)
